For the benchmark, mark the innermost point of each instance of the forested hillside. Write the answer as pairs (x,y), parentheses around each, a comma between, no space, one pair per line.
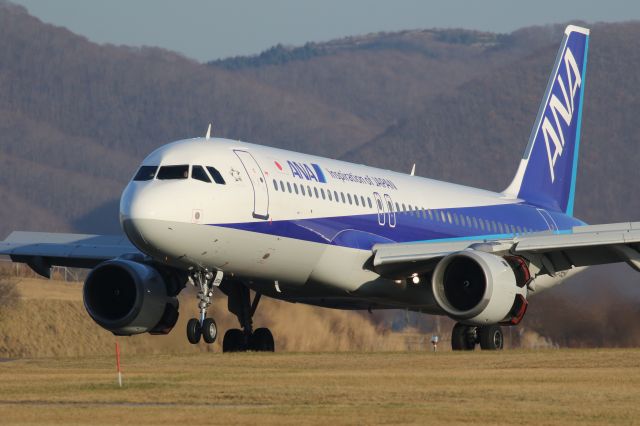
(76,117)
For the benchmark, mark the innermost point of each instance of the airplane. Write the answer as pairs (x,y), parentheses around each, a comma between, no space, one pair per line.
(219,213)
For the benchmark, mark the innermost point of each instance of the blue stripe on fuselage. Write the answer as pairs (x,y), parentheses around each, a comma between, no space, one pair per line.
(364,231)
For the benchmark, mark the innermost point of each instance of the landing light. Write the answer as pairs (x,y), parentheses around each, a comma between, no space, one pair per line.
(415,279)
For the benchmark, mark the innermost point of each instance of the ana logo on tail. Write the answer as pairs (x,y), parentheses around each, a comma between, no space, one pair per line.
(552,131)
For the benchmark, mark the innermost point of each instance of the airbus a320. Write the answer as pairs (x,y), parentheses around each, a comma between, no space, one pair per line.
(213,212)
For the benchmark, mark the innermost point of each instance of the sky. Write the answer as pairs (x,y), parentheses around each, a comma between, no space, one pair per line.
(206,29)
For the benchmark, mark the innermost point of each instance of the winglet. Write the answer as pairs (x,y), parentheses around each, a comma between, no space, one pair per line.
(413,169)
(208,135)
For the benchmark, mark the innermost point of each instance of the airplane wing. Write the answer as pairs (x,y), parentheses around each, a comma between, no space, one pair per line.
(582,246)
(41,250)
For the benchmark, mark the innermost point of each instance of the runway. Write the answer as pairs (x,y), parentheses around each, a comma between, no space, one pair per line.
(525,387)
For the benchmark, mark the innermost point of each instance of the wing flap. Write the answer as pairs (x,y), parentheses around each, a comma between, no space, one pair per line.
(582,246)
(581,237)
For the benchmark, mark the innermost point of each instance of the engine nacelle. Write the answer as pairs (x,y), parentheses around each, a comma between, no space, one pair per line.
(480,288)
(128,297)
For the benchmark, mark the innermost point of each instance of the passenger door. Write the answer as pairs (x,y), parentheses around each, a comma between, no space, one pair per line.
(258,182)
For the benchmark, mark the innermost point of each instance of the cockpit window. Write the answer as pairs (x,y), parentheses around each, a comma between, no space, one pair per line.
(146,173)
(215,174)
(197,172)
(174,172)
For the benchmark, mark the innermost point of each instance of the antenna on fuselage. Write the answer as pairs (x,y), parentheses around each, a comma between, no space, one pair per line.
(413,169)
(208,135)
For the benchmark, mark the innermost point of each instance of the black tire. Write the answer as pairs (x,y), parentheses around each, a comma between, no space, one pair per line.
(462,338)
(233,341)
(194,331)
(262,340)
(491,337)
(209,330)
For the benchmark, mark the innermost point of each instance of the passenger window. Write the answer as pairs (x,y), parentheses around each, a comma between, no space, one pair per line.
(349,197)
(475,223)
(355,198)
(302,189)
(295,187)
(315,191)
(322,193)
(455,218)
(335,193)
(430,214)
(362,200)
(275,185)
(289,187)
(329,195)
(282,186)
(404,208)
(449,217)
(146,173)
(342,196)
(443,218)
(309,191)
(198,173)
(371,205)
(173,172)
(215,174)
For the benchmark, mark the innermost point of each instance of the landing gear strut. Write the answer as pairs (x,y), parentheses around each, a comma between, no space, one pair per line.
(245,338)
(203,327)
(465,337)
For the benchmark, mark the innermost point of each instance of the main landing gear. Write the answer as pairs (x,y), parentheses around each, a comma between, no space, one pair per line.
(245,338)
(466,337)
(240,304)
(203,327)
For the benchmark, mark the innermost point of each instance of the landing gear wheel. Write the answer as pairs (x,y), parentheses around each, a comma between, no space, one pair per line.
(209,330)
(491,337)
(262,341)
(234,341)
(194,331)
(463,338)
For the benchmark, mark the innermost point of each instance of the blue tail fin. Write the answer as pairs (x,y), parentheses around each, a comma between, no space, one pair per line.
(547,173)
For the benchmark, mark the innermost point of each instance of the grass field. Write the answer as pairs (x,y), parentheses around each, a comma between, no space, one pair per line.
(512,387)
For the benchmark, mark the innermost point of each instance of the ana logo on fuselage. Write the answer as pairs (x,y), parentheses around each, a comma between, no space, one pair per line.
(552,132)
(304,171)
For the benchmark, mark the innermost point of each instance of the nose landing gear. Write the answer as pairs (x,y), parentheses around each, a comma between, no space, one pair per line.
(203,327)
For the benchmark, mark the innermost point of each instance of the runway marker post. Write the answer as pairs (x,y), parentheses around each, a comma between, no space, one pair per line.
(118,364)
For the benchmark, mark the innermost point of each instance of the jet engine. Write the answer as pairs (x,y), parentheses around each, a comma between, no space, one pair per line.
(479,288)
(128,297)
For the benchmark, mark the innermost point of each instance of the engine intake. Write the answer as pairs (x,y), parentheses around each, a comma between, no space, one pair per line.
(127,297)
(480,288)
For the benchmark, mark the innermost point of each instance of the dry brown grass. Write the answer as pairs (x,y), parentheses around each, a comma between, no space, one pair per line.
(512,387)
(50,320)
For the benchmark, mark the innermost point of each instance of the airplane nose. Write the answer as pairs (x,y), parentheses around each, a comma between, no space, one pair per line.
(139,205)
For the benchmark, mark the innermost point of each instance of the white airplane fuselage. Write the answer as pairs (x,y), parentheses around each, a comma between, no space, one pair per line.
(276,224)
